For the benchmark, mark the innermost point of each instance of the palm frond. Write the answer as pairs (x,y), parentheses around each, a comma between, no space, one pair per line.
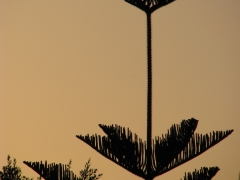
(120,147)
(203,174)
(149,6)
(39,168)
(197,145)
(52,171)
(170,145)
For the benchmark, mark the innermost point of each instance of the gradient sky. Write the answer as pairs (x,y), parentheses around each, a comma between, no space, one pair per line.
(68,65)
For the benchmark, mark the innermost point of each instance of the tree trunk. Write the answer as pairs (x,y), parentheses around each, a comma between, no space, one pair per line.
(149,95)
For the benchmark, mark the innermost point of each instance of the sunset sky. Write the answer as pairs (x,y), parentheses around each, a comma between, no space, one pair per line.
(68,65)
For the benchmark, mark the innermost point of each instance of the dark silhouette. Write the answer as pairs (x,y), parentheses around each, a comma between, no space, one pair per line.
(155,157)
(12,171)
(63,172)
(204,174)
(89,173)
(52,171)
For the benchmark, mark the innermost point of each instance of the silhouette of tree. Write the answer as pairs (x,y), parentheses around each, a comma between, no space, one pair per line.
(11,171)
(89,173)
(155,157)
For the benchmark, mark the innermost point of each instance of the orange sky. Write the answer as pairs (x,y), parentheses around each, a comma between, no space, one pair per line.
(67,66)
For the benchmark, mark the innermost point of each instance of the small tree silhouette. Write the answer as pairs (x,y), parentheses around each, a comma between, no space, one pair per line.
(12,171)
(88,173)
(155,157)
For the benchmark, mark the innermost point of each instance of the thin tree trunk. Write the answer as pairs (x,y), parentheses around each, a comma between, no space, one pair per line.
(149,94)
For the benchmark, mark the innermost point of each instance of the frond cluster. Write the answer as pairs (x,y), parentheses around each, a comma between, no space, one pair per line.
(176,147)
(120,147)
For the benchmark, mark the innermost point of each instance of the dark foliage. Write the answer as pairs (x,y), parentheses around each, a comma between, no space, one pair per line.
(149,6)
(63,172)
(202,174)
(12,171)
(176,147)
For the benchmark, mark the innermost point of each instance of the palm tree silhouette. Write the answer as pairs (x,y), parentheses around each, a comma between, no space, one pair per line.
(155,157)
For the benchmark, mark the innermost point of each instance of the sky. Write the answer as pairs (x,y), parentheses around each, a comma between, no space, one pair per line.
(67,66)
